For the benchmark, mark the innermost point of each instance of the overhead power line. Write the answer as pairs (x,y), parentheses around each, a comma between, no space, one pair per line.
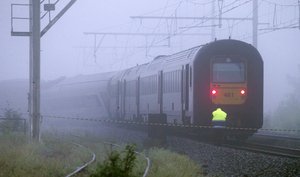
(292,26)
(140,34)
(279,4)
(168,35)
(188,18)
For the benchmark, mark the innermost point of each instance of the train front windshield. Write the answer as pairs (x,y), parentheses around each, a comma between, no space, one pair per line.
(228,72)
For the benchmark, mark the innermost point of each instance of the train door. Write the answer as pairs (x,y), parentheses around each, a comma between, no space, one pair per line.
(186,84)
(118,91)
(185,94)
(137,98)
(123,99)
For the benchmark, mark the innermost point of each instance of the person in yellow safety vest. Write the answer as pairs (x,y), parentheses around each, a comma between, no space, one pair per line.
(219,118)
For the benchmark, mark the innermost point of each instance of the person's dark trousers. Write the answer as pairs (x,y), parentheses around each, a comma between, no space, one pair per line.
(218,123)
(219,129)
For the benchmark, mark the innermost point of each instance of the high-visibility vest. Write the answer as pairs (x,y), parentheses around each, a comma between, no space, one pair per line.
(219,115)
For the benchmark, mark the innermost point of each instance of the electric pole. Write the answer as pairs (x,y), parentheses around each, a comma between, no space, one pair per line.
(35,47)
(213,30)
(30,69)
(255,23)
(299,13)
(35,35)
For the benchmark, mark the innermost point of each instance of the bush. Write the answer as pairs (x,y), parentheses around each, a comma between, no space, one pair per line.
(12,121)
(117,164)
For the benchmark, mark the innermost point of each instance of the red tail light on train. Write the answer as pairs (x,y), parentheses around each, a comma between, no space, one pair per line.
(243,92)
(214,92)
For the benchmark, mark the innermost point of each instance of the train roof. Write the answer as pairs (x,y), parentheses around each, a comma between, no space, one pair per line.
(158,63)
(174,61)
(178,58)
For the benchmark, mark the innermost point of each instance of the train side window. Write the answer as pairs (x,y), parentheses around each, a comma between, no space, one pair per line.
(191,77)
(174,81)
(169,82)
(165,83)
(173,76)
(154,83)
(176,78)
(154,88)
(147,86)
(150,86)
(143,86)
(177,81)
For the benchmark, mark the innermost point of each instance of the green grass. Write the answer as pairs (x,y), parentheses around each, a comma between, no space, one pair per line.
(19,157)
(169,164)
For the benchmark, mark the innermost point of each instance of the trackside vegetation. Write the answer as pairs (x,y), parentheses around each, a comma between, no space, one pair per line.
(11,121)
(58,157)
(164,163)
(19,157)
(170,164)
(118,164)
(286,116)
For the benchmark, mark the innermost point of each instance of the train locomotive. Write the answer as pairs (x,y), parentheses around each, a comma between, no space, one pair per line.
(186,87)
(189,85)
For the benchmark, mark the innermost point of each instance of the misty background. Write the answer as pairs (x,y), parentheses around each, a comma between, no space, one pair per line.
(67,51)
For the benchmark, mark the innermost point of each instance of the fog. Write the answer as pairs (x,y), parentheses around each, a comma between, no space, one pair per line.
(67,51)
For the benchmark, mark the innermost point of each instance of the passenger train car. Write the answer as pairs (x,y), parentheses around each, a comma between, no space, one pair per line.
(185,87)
(189,85)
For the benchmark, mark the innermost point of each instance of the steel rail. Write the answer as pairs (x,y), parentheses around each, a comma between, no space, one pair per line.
(78,169)
(266,149)
(278,136)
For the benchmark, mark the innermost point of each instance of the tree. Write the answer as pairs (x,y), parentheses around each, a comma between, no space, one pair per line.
(288,112)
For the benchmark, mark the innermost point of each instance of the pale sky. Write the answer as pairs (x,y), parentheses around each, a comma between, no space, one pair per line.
(62,52)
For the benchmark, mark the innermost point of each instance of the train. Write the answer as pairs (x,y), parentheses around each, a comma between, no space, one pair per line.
(185,87)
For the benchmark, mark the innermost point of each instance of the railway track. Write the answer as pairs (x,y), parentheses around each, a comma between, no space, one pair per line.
(83,166)
(266,149)
(277,136)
